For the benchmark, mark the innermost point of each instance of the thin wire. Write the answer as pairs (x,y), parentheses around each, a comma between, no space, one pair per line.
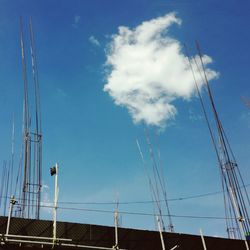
(139,202)
(154,196)
(170,225)
(136,213)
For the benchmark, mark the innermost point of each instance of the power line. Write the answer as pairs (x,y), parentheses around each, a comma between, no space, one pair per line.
(137,202)
(136,213)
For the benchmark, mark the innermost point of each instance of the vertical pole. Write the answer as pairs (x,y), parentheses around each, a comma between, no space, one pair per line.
(116,217)
(116,229)
(160,231)
(12,202)
(203,240)
(55,203)
(240,219)
(12,154)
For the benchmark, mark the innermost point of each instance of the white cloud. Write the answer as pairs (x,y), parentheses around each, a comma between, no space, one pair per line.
(148,71)
(193,116)
(61,93)
(46,203)
(77,19)
(94,41)
(245,117)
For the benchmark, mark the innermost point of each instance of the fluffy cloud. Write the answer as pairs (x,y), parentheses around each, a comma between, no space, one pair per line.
(94,41)
(46,202)
(147,71)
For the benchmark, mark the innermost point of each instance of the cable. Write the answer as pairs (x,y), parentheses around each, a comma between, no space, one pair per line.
(138,202)
(136,213)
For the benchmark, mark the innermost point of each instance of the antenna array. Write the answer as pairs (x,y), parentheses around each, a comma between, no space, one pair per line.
(32,137)
(236,198)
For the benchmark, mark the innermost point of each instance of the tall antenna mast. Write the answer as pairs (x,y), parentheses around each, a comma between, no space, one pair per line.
(32,138)
(26,133)
(160,179)
(38,127)
(12,155)
(237,197)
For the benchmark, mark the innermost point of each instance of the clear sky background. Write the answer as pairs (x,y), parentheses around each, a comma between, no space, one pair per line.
(92,138)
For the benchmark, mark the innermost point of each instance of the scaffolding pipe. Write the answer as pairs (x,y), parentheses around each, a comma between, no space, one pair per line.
(34,237)
(61,244)
(174,247)
(203,240)
(54,171)
(116,246)
(240,219)
(160,231)
(12,203)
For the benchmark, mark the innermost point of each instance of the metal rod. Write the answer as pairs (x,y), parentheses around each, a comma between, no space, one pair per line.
(35,237)
(12,155)
(116,230)
(240,219)
(174,247)
(203,240)
(55,204)
(61,244)
(160,231)
(12,202)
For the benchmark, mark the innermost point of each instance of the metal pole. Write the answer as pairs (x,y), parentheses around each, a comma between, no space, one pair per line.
(203,240)
(174,247)
(55,204)
(62,244)
(160,231)
(116,217)
(12,202)
(240,219)
(116,230)
(35,237)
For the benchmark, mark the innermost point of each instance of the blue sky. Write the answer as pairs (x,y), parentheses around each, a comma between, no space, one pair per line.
(92,138)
